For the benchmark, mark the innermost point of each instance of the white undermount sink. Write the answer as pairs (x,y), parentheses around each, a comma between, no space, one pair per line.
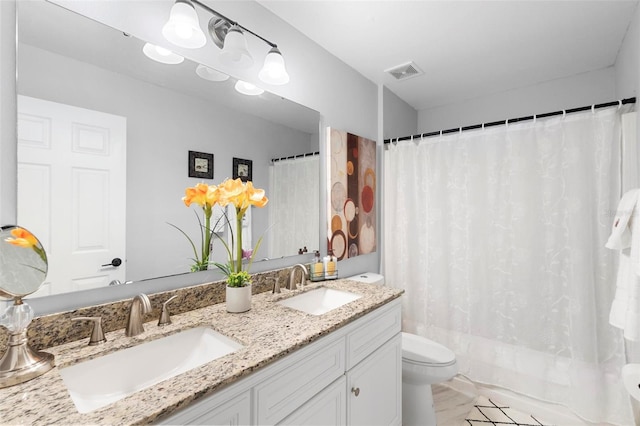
(104,380)
(320,300)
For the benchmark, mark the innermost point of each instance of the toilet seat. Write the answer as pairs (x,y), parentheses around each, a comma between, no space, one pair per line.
(419,350)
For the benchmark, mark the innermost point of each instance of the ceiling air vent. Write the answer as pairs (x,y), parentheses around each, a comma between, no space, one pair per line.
(404,71)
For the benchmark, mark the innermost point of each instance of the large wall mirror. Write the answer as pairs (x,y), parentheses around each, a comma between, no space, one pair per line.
(104,135)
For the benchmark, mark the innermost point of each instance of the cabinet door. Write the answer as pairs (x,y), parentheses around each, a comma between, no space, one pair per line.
(326,408)
(374,387)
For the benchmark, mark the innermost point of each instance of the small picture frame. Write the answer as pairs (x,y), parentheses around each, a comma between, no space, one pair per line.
(200,165)
(242,169)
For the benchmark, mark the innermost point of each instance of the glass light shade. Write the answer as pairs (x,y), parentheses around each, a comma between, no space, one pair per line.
(210,74)
(248,88)
(273,71)
(235,52)
(183,27)
(160,54)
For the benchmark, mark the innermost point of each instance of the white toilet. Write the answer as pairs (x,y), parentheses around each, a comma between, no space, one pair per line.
(424,362)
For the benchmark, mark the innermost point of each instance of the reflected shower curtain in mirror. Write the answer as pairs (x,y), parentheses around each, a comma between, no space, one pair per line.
(498,237)
(294,211)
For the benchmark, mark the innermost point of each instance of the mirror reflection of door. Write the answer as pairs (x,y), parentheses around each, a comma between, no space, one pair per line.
(72,172)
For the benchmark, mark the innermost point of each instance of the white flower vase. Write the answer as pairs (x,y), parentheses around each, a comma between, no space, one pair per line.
(238,299)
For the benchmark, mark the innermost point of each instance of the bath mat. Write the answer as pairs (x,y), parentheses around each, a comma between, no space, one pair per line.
(488,412)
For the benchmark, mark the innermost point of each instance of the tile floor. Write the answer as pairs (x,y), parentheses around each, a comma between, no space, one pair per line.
(455,408)
(451,406)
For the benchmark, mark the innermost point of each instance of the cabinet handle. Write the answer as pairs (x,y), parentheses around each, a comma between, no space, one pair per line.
(355,391)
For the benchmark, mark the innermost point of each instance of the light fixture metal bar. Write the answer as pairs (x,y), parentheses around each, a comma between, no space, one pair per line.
(232,22)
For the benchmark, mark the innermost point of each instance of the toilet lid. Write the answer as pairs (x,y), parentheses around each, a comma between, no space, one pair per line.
(422,350)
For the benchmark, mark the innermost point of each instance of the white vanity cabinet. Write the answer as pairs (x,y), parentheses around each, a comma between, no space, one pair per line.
(352,376)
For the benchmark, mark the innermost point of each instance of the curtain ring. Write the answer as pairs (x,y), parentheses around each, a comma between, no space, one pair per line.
(482,126)
(534,118)
(593,109)
(564,113)
(619,103)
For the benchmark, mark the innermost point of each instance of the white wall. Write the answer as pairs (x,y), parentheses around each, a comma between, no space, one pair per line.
(575,91)
(162,126)
(627,64)
(400,119)
(8,190)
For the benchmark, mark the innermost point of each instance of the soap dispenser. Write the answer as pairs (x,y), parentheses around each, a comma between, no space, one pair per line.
(317,268)
(330,266)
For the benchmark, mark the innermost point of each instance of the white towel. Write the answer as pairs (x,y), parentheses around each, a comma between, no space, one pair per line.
(625,236)
(620,237)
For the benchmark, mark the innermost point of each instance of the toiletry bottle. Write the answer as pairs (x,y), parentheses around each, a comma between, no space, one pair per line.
(330,266)
(317,268)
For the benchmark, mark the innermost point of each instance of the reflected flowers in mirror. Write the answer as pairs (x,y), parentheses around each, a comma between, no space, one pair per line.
(25,239)
(22,238)
(205,196)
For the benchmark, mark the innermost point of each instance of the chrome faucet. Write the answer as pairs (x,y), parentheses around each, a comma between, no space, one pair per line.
(140,305)
(292,276)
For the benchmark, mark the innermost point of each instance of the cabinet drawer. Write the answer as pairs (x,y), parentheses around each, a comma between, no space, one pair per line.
(296,383)
(219,409)
(379,327)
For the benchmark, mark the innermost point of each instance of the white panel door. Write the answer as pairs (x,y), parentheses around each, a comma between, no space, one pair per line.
(72,191)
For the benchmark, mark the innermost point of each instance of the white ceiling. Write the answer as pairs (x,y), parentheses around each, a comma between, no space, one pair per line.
(467,49)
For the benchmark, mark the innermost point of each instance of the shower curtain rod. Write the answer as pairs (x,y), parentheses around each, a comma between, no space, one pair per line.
(308,154)
(511,120)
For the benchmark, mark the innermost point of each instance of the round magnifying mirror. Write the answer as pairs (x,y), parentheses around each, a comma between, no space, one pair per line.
(23,262)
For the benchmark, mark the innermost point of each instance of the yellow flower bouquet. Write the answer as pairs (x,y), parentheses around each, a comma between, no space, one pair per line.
(241,196)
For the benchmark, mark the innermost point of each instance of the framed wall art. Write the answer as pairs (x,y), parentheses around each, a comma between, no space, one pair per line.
(242,169)
(352,205)
(200,165)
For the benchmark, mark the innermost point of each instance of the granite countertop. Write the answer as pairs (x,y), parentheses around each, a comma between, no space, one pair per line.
(268,332)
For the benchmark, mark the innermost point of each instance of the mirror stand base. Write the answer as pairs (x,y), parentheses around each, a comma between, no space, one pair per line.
(20,363)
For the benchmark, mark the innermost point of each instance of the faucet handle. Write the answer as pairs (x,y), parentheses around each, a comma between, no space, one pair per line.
(276,286)
(97,335)
(165,317)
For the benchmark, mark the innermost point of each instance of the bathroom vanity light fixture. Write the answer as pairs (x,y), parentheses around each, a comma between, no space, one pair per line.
(235,51)
(210,74)
(248,88)
(183,30)
(160,54)
(273,71)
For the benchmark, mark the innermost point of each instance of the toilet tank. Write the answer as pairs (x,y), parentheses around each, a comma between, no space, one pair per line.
(369,278)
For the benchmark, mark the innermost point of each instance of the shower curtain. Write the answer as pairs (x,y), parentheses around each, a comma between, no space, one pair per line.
(497,236)
(293,206)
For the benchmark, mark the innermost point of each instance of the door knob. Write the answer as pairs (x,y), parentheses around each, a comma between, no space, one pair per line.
(115,262)
(355,391)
